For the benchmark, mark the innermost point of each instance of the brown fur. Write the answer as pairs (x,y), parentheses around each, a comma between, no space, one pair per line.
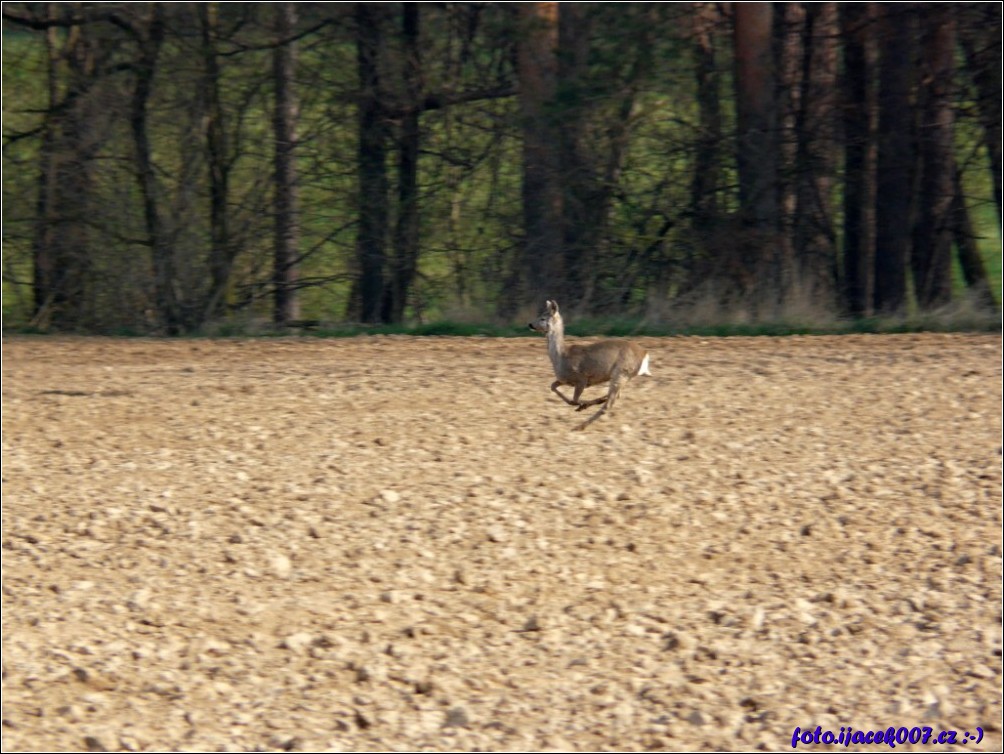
(584,365)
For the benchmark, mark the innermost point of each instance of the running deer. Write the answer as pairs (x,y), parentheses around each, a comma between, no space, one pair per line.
(584,365)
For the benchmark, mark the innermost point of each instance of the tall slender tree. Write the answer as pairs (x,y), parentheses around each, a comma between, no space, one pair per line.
(894,187)
(931,260)
(371,162)
(284,121)
(856,21)
(406,229)
(537,48)
(577,173)
(704,185)
(757,147)
(149,35)
(792,44)
(44,287)
(72,137)
(815,235)
(221,247)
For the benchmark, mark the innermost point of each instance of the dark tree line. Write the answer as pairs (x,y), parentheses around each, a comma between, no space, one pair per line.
(169,166)
(899,93)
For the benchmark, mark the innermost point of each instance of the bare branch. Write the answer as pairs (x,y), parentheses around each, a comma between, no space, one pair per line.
(240,48)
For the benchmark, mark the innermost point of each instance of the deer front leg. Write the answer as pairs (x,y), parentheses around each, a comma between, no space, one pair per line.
(573,401)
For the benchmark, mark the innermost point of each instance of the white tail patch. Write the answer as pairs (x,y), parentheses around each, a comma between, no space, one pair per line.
(643,369)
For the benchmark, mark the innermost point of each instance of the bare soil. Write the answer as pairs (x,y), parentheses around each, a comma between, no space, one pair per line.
(398,543)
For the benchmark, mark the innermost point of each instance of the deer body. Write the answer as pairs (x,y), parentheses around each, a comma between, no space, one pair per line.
(583,365)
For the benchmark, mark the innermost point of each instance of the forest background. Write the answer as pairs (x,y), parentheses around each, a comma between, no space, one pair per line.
(221,167)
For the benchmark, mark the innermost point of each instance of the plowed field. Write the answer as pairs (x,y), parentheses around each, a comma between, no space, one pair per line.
(398,543)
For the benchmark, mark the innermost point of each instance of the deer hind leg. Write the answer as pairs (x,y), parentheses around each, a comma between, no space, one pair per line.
(594,402)
(608,401)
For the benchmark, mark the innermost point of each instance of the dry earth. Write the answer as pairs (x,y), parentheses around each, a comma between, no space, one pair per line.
(397,543)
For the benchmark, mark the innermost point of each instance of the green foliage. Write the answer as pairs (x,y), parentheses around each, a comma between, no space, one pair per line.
(23,99)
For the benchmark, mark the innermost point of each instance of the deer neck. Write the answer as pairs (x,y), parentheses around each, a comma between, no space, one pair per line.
(556,342)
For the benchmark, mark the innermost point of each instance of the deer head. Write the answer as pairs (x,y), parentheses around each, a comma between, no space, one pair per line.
(543,323)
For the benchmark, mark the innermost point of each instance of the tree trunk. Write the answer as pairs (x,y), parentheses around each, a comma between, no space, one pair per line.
(757,151)
(705,183)
(815,237)
(43,264)
(61,252)
(285,272)
(894,185)
(859,157)
(406,231)
(221,252)
(577,176)
(791,46)
(541,267)
(755,110)
(931,261)
(162,262)
(372,168)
